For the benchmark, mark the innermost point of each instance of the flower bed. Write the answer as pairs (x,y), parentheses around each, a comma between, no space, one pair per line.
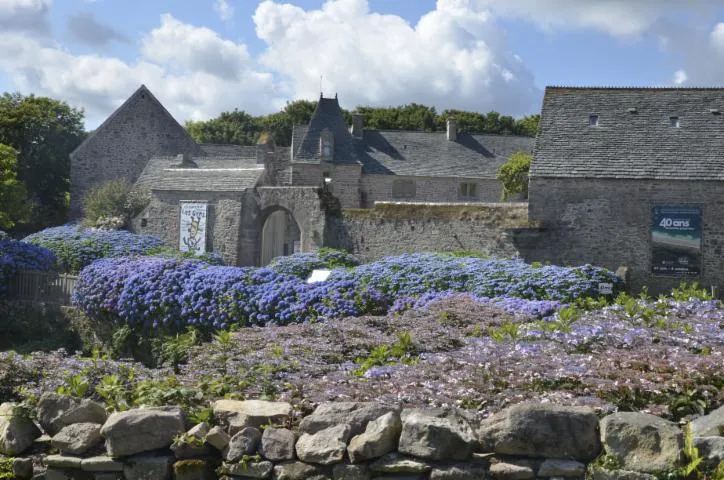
(76,247)
(171,294)
(16,256)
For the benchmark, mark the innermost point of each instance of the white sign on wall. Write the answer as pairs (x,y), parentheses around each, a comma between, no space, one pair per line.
(192,235)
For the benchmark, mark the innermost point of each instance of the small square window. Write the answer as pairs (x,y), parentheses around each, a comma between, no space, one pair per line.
(593,120)
(403,189)
(674,122)
(468,190)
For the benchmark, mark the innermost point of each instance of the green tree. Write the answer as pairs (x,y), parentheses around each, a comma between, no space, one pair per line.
(528,125)
(514,175)
(14,205)
(43,132)
(237,127)
(405,117)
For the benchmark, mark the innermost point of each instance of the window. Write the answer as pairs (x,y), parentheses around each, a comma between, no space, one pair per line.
(403,189)
(674,122)
(468,190)
(593,120)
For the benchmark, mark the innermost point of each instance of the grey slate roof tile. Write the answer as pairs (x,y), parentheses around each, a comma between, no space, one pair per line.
(626,144)
(329,115)
(432,154)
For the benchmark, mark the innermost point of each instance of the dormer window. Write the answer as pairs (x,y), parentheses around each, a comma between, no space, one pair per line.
(326,145)
(674,122)
(593,120)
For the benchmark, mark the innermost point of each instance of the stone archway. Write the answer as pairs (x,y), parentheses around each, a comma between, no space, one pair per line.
(302,204)
(280,235)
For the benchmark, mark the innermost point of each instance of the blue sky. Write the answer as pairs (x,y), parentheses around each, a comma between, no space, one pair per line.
(204,57)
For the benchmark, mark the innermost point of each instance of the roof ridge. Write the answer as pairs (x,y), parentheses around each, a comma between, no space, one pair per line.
(633,87)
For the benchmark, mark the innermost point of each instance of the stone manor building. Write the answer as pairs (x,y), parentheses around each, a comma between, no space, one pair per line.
(263,201)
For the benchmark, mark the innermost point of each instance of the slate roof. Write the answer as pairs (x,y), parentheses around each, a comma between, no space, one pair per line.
(329,115)
(432,154)
(633,138)
(222,173)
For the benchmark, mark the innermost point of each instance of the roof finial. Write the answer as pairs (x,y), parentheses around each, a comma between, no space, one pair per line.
(321,91)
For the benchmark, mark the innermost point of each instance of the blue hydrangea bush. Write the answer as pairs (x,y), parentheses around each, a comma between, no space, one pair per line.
(15,255)
(301,264)
(76,247)
(169,294)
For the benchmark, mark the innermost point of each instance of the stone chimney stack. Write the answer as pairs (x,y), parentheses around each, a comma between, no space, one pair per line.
(358,125)
(452,129)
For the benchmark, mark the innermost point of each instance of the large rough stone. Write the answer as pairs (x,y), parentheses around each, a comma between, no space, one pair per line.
(511,471)
(141,430)
(278,444)
(296,471)
(193,470)
(187,451)
(63,461)
(23,467)
(17,433)
(461,471)
(642,442)
(243,443)
(711,449)
(238,414)
(428,435)
(380,437)
(77,438)
(57,411)
(101,463)
(250,470)
(554,467)
(355,414)
(218,438)
(148,467)
(600,474)
(351,472)
(711,425)
(542,430)
(395,463)
(324,447)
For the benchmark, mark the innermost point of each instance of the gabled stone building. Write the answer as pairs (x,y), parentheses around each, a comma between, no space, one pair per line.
(634,177)
(263,201)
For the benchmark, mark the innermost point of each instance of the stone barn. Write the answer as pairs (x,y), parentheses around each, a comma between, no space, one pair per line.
(634,177)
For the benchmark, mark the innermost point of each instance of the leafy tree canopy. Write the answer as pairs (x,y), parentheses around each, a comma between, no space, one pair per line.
(43,132)
(514,175)
(14,206)
(240,128)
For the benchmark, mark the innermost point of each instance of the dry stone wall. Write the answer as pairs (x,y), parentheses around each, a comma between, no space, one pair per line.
(345,440)
(395,228)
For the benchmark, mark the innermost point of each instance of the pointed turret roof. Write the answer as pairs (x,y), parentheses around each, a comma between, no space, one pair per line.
(327,115)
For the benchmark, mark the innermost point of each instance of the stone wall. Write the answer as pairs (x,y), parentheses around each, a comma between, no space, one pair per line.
(608,223)
(378,188)
(360,441)
(122,146)
(395,228)
(223,225)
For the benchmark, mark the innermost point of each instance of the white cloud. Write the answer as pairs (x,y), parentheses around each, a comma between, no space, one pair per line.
(680,77)
(28,15)
(223,9)
(189,88)
(454,57)
(621,18)
(199,49)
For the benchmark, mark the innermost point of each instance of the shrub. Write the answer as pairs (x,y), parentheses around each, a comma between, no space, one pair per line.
(76,247)
(16,256)
(302,264)
(112,204)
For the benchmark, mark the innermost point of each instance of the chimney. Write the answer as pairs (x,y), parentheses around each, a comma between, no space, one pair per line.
(358,125)
(452,129)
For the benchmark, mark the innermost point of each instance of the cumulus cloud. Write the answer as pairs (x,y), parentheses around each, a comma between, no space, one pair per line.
(223,9)
(85,28)
(621,18)
(454,57)
(195,48)
(25,15)
(189,88)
